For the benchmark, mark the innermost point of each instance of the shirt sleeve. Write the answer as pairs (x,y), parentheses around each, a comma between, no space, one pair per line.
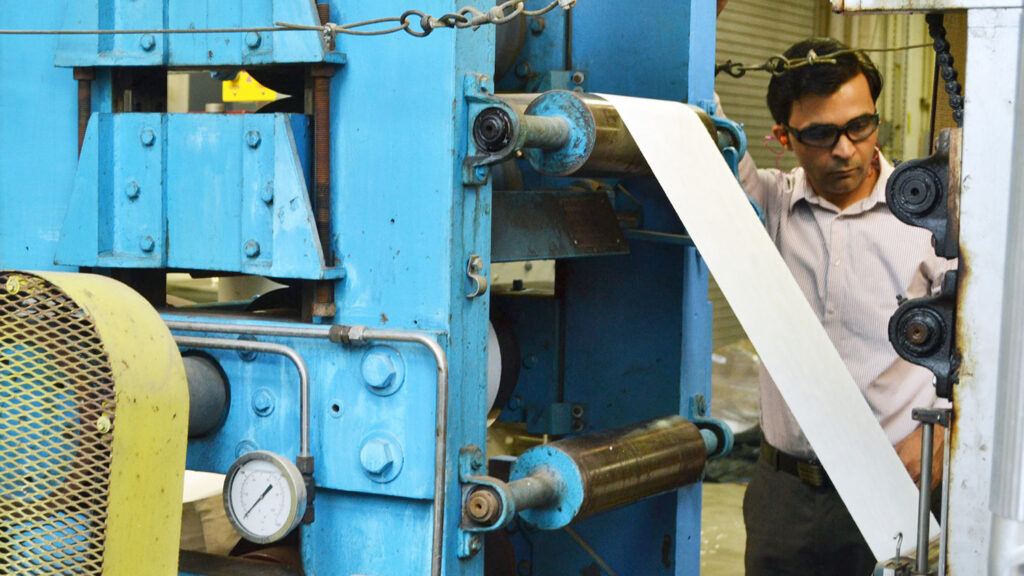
(758,184)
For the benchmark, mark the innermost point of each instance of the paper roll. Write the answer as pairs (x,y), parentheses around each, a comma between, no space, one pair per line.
(791,341)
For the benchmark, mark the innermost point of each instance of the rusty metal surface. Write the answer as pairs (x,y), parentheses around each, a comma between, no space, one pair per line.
(542,225)
(324,297)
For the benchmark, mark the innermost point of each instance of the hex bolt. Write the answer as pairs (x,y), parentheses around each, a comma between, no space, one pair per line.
(379,369)
(376,456)
(578,77)
(147,244)
(253,40)
(147,42)
(475,544)
(252,138)
(252,249)
(267,194)
(132,190)
(262,402)
(523,69)
(147,137)
(537,25)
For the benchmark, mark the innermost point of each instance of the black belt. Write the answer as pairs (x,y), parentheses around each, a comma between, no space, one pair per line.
(809,471)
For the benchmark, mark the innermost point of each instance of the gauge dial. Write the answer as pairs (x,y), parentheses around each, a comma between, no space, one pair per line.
(265,496)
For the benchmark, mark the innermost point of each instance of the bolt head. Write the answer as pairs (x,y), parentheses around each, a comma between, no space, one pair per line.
(147,137)
(578,77)
(376,456)
(147,244)
(379,369)
(252,138)
(132,190)
(262,403)
(147,42)
(253,40)
(523,69)
(267,194)
(537,25)
(252,249)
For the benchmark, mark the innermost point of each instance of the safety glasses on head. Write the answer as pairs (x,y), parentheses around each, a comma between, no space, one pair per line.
(827,135)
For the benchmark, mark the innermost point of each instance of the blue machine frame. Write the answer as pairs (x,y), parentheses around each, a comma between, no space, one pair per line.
(627,337)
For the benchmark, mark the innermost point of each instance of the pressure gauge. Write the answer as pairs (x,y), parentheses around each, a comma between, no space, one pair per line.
(265,496)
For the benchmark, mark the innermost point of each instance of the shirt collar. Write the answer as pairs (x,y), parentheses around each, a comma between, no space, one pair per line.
(802,190)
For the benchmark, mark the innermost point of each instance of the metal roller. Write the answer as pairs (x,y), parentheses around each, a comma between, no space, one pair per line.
(554,484)
(564,133)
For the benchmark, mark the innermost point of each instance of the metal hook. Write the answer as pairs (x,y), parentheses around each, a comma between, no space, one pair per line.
(473,268)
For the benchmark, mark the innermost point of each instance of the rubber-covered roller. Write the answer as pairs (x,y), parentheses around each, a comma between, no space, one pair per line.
(208,394)
(600,471)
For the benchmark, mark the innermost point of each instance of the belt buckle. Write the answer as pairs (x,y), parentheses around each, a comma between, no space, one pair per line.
(811,474)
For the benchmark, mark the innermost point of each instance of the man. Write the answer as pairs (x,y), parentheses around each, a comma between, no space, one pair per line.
(852,258)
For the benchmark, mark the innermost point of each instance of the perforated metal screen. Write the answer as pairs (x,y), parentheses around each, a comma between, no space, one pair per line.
(56,431)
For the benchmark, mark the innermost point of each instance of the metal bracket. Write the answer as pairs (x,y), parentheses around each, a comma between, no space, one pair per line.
(923,332)
(478,90)
(926,193)
(472,473)
(722,432)
(473,269)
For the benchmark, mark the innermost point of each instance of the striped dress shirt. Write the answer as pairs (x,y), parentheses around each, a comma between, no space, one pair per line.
(851,265)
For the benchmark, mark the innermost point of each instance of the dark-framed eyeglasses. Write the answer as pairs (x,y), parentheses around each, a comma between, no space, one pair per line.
(826,135)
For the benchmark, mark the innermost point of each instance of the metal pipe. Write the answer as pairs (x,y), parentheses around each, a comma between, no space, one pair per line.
(440,431)
(283,330)
(359,335)
(923,512)
(269,348)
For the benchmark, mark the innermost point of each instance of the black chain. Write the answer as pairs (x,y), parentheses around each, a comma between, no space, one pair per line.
(945,62)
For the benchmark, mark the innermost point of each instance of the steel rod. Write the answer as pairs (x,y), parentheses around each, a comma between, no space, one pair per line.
(923,508)
(943,524)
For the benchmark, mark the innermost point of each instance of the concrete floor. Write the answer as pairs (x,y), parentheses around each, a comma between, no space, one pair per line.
(722,535)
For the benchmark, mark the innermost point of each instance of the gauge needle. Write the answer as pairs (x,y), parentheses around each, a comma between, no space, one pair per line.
(258,500)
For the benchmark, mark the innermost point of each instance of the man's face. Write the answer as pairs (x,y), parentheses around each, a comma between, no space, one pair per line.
(842,174)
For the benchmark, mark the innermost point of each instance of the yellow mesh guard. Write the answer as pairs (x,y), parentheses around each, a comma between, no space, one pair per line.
(62,380)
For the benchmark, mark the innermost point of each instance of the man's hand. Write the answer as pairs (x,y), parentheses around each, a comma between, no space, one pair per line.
(909,451)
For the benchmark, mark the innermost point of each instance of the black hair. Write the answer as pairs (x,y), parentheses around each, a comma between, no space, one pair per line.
(819,78)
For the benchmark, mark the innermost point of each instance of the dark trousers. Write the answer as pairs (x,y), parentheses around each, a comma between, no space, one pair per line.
(794,529)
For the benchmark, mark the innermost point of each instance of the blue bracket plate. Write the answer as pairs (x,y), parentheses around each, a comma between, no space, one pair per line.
(201,50)
(198,192)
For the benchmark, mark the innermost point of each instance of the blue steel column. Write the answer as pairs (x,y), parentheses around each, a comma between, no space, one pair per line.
(697,310)
(404,228)
(38,142)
